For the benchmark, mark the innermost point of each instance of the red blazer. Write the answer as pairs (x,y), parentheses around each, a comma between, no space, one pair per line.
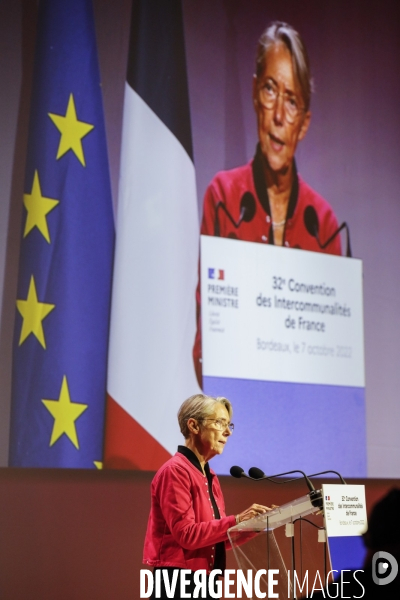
(182,530)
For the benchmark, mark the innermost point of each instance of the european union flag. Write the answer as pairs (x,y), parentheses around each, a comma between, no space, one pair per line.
(67,241)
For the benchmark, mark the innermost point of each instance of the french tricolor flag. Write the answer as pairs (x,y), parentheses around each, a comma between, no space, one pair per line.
(150,371)
(216,274)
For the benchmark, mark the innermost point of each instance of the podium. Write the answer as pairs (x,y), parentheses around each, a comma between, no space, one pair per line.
(300,543)
(288,543)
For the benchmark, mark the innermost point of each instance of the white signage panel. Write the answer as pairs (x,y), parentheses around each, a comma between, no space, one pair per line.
(276,314)
(344,509)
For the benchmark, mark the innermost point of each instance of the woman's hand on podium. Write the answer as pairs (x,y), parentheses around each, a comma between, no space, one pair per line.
(253,511)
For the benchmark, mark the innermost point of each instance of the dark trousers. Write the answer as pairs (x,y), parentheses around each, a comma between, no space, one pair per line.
(189,588)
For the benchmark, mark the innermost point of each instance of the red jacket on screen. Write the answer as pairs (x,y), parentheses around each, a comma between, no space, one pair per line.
(182,530)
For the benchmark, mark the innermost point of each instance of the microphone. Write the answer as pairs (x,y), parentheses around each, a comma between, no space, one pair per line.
(238,472)
(311,221)
(312,225)
(247,208)
(326,472)
(256,473)
(247,212)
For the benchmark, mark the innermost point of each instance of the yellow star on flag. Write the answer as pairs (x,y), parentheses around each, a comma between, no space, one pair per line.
(72,131)
(98,464)
(33,312)
(38,207)
(65,414)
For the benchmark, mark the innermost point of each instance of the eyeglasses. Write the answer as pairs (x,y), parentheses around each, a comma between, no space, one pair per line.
(220,424)
(269,93)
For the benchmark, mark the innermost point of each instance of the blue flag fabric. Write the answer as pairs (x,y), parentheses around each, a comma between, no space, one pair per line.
(67,241)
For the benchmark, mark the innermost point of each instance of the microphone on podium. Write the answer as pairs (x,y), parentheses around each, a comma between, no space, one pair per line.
(238,472)
(312,225)
(256,473)
(342,481)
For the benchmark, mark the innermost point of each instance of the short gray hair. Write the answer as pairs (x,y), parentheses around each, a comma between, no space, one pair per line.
(282,32)
(199,406)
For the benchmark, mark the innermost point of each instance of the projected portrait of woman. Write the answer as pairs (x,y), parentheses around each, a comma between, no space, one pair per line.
(266,200)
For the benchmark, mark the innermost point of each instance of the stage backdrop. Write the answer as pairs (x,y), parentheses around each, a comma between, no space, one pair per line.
(337,158)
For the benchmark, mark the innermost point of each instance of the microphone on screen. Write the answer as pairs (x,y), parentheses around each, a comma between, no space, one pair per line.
(312,225)
(247,212)
(238,472)
(311,222)
(247,208)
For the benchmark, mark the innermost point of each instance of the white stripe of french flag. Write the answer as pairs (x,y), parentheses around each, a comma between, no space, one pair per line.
(150,371)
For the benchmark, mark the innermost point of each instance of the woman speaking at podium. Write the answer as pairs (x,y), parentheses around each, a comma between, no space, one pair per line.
(187,527)
(277,206)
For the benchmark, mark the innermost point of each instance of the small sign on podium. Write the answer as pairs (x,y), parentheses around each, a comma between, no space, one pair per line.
(345,521)
(344,509)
